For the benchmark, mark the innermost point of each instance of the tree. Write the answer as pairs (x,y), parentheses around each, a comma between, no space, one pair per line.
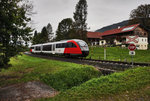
(50,32)
(14,28)
(141,15)
(64,28)
(35,33)
(35,39)
(80,17)
(44,35)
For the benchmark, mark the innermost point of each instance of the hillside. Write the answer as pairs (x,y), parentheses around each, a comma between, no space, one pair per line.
(131,85)
(113,26)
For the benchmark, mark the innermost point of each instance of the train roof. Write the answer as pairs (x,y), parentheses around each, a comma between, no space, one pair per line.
(39,44)
(57,42)
(72,39)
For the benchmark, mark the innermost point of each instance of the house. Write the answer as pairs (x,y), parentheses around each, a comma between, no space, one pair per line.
(94,38)
(119,36)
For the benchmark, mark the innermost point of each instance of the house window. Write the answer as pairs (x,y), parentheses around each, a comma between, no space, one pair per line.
(137,46)
(142,46)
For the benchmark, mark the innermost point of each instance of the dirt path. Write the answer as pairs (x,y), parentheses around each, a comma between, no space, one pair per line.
(26,91)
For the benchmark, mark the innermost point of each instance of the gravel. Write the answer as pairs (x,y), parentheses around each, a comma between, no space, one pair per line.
(26,91)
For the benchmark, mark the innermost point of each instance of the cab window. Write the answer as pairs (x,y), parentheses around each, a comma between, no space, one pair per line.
(82,44)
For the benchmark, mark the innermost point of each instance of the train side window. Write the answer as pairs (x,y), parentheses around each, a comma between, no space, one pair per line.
(50,47)
(71,45)
(56,45)
(64,45)
(38,48)
(47,48)
(35,48)
(61,45)
(44,48)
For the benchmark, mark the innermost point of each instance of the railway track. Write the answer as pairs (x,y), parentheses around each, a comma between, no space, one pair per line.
(113,66)
(105,66)
(135,64)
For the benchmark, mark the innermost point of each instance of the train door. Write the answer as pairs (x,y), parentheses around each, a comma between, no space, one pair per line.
(53,48)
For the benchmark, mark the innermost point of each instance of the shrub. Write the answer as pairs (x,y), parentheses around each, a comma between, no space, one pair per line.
(68,78)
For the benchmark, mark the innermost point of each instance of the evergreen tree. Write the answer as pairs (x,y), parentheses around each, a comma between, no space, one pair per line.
(64,28)
(50,32)
(44,36)
(35,33)
(35,38)
(141,15)
(13,28)
(80,17)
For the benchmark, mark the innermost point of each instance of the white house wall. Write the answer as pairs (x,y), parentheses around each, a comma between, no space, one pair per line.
(142,43)
(102,42)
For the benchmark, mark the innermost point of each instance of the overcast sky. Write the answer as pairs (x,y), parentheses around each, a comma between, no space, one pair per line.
(100,12)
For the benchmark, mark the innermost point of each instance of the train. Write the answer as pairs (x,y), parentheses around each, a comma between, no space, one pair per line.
(72,47)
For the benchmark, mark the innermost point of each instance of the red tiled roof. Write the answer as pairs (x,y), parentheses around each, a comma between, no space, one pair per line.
(120,30)
(113,31)
(94,35)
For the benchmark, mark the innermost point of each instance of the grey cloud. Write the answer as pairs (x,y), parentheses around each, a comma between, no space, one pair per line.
(100,12)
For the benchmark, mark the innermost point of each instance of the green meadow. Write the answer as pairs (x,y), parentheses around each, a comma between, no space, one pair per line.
(119,54)
(26,68)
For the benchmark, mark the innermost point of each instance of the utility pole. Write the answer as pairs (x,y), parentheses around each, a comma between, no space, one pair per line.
(104,52)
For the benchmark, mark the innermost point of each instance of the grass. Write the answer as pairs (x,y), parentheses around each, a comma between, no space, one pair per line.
(68,78)
(26,68)
(112,86)
(81,82)
(119,54)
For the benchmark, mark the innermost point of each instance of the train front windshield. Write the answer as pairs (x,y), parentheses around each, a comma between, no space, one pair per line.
(83,46)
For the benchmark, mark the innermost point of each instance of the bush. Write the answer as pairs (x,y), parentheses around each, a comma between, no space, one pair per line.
(68,78)
(108,86)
